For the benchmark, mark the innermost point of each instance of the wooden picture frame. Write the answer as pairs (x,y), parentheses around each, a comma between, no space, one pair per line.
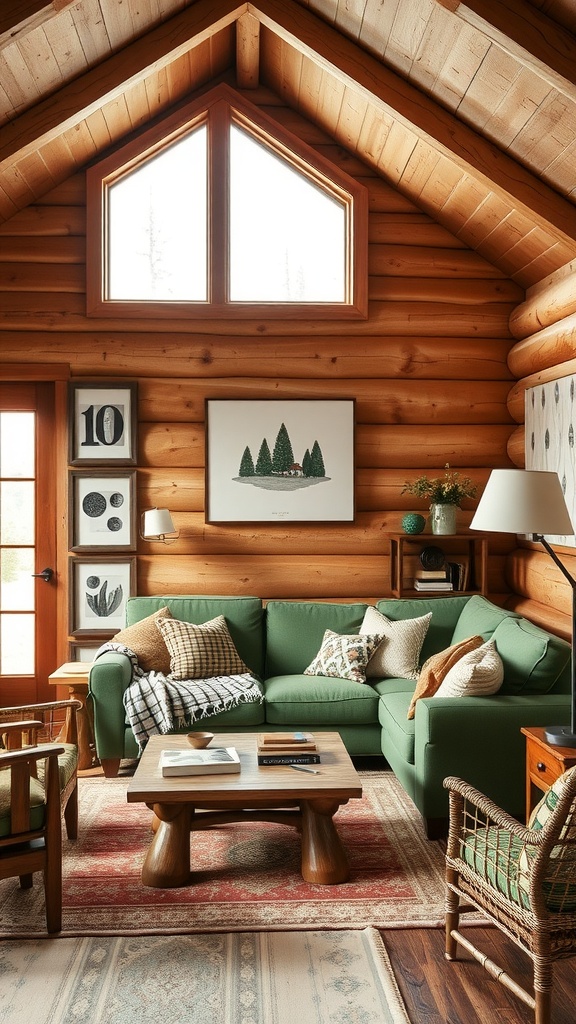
(84,650)
(102,418)
(98,589)
(270,460)
(102,510)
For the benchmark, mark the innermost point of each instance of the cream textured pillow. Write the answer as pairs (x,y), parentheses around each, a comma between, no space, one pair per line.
(144,639)
(399,655)
(437,667)
(200,651)
(343,656)
(477,674)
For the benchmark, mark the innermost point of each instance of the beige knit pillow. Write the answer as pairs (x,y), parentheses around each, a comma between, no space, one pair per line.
(398,656)
(147,643)
(437,667)
(200,651)
(478,674)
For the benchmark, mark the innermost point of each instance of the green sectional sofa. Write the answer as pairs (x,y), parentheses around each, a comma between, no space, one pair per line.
(477,738)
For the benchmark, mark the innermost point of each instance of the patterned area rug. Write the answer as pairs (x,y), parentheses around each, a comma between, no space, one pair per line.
(245,977)
(245,876)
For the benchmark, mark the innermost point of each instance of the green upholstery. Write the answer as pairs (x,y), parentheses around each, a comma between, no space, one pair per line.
(67,763)
(479,617)
(295,629)
(534,661)
(318,700)
(37,803)
(445,615)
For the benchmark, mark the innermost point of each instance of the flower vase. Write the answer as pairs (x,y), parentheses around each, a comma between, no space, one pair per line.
(443,519)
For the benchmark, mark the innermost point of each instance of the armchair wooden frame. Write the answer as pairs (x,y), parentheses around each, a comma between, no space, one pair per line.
(522,879)
(37,724)
(27,849)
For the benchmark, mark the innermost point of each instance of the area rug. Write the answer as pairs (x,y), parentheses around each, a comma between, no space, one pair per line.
(245,876)
(245,977)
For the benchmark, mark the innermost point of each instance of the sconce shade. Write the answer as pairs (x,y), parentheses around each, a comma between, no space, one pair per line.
(157,523)
(523,501)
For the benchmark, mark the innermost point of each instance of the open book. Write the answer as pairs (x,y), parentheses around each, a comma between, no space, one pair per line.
(216,761)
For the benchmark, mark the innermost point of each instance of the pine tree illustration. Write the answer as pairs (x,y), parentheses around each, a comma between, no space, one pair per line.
(264,460)
(246,463)
(306,463)
(317,461)
(283,456)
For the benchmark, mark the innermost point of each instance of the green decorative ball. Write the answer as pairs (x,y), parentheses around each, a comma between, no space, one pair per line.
(413,522)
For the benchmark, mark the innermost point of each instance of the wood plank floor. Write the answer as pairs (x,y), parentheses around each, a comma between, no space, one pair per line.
(438,992)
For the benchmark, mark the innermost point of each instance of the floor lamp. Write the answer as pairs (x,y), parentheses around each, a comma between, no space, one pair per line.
(531,502)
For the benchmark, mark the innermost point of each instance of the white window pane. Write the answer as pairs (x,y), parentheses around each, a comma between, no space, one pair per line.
(157,226)
(287,235)
(16,582)
(17,444)
(17,512)
(16,645)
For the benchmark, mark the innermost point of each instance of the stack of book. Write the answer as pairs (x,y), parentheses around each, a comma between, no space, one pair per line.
(433,579)
(287,748)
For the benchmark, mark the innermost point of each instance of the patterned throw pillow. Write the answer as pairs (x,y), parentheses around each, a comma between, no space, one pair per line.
(478,674)
(342,656)
(399,657)
(437,667)
(200,651)
(144,639)
(547,804)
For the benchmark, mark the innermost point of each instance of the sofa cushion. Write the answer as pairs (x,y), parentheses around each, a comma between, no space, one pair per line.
(147,642)
(478,674)
(200,651)
(398,729)
(244,618)
(479,616)
(445,614)
(399,653)
(545,807)
(294,631)
(437,667)
(533,659)
(317,701)
(343,657)
(37,804)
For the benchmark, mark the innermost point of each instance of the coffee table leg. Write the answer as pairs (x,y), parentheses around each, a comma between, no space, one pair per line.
(167,863)
(324,859)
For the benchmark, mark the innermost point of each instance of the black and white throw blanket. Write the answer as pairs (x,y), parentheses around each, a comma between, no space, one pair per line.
(156,703)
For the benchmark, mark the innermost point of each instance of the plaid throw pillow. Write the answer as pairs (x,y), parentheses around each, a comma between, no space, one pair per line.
(343,657)
(200,651)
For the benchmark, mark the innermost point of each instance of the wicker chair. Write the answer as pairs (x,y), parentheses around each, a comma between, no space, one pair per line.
(522,879)
(55,721)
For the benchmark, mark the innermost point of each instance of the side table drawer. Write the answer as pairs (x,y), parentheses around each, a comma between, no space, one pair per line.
(543,766)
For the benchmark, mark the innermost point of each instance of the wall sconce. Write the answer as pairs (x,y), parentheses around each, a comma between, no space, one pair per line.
(157,524)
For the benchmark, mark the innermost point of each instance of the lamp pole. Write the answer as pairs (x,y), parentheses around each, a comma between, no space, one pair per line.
(562,735)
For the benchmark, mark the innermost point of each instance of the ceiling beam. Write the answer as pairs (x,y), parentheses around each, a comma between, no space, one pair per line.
(247,52)
(18,17)
(397,98)
(79,98)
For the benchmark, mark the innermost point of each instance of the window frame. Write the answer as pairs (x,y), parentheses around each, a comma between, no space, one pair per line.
(218,108)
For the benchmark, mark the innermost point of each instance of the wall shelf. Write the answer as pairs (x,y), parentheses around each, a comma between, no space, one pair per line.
(405,550)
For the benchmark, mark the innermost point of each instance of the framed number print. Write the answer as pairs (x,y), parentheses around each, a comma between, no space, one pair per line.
(99,589)
(102,509)
(275,460)
(103,423)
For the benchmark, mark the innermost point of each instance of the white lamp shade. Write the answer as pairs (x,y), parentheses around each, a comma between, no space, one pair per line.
(157,522)
(523,501)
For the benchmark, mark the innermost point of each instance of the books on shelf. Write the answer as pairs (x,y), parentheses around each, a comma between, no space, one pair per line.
(430,585)
(287,748)
(213,761)
(432,575)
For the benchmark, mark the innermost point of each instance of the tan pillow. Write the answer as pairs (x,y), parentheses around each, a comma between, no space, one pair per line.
(479,673)
(144,639)
(200,651)
(399,654)
(437,667)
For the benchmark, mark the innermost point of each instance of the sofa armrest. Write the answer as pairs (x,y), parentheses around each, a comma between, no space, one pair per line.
(109,678)
(479,740)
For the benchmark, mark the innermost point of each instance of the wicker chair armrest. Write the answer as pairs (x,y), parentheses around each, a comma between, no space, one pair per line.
(67,728)
(491,810)
(48,706)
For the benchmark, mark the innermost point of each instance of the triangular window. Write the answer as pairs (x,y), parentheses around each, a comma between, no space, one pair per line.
(218,212)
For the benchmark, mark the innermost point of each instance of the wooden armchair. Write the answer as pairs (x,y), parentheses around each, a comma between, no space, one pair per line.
(522,879)
(37,724)
(30,825)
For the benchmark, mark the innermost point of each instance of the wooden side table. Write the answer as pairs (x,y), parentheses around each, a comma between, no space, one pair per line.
(544,764)
(74,676)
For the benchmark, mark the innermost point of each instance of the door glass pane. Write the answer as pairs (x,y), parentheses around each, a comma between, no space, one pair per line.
(16,583)
(16,644)
(17,444)
(17,512)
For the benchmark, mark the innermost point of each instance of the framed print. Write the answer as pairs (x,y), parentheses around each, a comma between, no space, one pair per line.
(84,650)
(102,510)
(102,423)
(99,589)
(279,460)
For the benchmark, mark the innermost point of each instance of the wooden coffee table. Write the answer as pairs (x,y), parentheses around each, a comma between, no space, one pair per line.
(186,803)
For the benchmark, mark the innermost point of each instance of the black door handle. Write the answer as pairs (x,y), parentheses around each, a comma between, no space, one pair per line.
(45,575)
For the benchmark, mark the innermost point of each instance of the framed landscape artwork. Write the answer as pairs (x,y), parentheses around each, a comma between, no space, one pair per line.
(102,510)
(99,589)
(270,460)
(102,423)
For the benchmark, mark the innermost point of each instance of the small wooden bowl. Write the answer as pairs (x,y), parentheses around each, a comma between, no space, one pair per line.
(200,739)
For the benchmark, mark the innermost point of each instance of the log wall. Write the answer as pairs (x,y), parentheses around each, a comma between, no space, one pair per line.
(545,324)
(428,369)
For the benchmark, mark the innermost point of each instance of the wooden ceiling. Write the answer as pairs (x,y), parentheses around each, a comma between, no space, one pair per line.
(468,109)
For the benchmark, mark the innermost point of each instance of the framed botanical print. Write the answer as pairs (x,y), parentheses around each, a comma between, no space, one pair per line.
(102,510)
(99,588)
(102,423)
(275,460)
